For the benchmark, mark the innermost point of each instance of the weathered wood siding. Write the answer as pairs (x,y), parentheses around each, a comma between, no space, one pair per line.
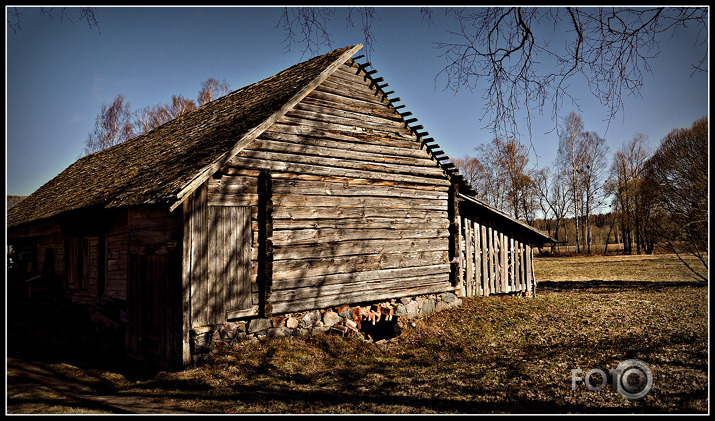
(495,258)
(358,210)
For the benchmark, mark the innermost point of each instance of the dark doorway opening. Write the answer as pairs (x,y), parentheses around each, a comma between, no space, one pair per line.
(382,329)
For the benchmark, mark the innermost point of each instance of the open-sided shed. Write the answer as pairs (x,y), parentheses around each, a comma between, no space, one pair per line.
(307,190)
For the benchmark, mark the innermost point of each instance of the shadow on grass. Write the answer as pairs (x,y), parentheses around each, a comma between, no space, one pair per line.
(609,286)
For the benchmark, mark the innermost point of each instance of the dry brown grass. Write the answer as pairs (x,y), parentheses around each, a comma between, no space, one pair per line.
(650,268)
(500,354)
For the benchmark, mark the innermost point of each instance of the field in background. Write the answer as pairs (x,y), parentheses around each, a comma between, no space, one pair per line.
(652,268)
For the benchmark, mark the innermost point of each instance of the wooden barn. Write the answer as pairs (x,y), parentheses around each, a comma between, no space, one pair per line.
(307,190)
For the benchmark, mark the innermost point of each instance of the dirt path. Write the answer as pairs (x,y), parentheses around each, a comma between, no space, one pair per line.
(33,387)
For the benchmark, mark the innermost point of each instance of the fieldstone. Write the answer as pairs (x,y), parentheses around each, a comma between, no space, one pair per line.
(400,310)
(292,322)
(257,325)
(318,330)
(427,306)
(216,336)
(310,319)
(278,332)
(449,298)
(278,321)
(228,331)
(441,305)
(405,300)
(345,311)
(412,309)
(201,330)
(201,342)
(330,318)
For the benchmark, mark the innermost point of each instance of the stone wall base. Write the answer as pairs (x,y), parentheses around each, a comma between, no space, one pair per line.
(345,320)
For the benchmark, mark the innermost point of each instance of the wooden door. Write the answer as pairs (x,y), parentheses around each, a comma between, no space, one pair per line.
(229,258)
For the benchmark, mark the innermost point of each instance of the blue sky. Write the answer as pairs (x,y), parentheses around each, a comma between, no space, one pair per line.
(59,74)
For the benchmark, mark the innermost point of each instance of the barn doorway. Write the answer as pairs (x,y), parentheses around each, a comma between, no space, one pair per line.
(156,305)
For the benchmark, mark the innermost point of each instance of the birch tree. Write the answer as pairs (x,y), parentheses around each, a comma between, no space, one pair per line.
(112,126)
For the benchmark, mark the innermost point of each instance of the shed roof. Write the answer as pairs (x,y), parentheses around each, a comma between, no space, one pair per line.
(164,165)
(535,234)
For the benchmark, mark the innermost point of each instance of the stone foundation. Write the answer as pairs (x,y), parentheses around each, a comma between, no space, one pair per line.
(343,320)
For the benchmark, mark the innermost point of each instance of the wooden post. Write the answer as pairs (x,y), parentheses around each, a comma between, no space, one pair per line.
(461,281)
(523,260)
(512,263)
(265,242)
(186,283)
(469,258)
(503,246)
(533,276)
(492,274)
(485,259)
(477,258)
(529,285)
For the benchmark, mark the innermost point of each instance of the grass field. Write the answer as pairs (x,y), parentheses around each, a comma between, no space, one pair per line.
(501,354)
(652,268)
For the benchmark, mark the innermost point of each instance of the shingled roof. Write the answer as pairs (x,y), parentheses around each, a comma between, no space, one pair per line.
(164,165)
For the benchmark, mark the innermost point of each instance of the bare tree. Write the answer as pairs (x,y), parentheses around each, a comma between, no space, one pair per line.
(212,89)
(112,126)
(554,200)
(500,176)
(679,174)
(626,175)
(593,167)
(151,117)
(569,159)
(472,171)
(525,58)
(86,14)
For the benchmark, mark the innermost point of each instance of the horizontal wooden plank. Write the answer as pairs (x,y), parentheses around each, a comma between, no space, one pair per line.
(358,287)
(384,125)
(349,164)
(327,130)
(374,173)
(365,247)
(327,188)
(344,202)
(354,298)
(346,264)
(286,212)
(367,224)
(348,129)
(325,99)
(344,143)
(331,235)
(295,145)
(228,199)
(371,98)
(339,278)
(282,177)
